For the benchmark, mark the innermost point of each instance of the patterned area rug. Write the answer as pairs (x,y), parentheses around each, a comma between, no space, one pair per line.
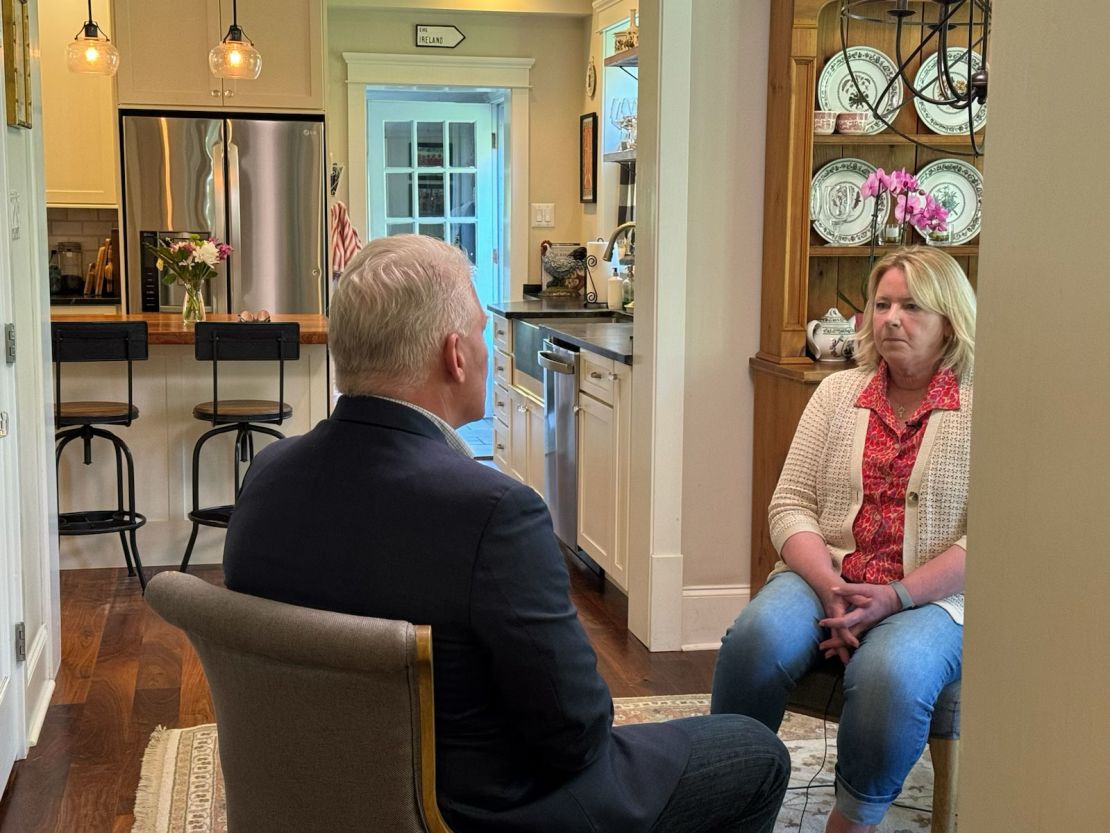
(181,789)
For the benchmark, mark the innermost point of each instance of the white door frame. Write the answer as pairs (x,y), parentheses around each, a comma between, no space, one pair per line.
(373,69)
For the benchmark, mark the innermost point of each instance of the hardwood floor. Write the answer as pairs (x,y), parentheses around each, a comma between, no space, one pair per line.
(125,671)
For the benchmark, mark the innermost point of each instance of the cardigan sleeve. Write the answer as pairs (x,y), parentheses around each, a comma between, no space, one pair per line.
(793,506)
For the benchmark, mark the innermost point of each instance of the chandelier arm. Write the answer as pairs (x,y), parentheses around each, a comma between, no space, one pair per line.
(903,62)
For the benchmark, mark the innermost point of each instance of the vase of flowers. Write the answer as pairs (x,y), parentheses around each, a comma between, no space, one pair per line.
(192,263)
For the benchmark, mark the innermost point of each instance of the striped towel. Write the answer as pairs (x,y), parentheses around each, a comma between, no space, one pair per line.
(344,238)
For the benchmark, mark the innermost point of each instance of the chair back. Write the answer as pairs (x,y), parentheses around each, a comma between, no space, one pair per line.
(102,341)
(244,342)
(325,720)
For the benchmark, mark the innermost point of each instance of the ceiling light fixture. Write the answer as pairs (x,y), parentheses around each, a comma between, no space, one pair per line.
(90,52)
(235,56)
(959,81)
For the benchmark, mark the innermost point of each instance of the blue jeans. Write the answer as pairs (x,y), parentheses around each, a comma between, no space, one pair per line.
(734,780)
(890,685)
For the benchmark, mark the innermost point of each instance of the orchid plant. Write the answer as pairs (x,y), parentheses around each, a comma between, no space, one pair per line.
(912,207)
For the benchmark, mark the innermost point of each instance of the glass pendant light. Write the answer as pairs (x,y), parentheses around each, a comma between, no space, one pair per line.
(90,52)
(235,56)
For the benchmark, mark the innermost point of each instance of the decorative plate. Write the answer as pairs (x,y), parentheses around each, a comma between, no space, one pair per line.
(936,117)
(873,70)
(591,78)
(839,212)
(957,186)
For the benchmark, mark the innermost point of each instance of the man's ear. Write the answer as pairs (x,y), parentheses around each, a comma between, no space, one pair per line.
(454,362)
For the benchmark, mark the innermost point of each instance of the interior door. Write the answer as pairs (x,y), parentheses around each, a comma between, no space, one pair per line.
(432,170)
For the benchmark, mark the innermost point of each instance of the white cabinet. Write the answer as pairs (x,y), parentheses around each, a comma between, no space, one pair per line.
(78,114)
(164,47)
(525,452)
(604,426)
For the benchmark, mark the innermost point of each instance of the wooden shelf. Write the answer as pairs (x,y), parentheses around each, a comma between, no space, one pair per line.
(628,58)
(935,139)
(625,156)
(819,250)
(806,371)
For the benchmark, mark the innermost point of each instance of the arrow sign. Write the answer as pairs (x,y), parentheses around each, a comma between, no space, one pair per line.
(439,37)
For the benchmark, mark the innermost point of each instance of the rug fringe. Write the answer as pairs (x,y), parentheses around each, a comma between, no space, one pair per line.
(147,795)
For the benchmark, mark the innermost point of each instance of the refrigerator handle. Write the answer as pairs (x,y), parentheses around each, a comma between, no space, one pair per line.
(233,224)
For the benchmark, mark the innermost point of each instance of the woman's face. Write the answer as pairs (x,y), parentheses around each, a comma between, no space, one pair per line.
(906,335)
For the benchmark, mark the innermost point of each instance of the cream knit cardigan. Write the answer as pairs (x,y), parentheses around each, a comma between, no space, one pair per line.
(821,486)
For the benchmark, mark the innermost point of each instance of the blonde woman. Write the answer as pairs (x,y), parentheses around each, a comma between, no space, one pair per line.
(869,519)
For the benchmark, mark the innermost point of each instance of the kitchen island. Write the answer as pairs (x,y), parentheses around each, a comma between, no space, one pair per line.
(166,387)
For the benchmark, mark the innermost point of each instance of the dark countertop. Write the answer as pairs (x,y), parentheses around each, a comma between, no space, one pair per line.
(550,308)
(612,339)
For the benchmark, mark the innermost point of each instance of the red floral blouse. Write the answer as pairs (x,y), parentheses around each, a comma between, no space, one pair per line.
(889,453)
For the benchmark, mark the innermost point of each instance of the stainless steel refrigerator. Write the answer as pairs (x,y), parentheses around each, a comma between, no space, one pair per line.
(257,184)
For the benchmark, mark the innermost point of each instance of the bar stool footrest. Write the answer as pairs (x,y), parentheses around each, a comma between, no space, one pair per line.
(212,516)
(98,521)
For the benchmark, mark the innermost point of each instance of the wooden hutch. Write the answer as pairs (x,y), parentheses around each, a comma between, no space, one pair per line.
(801,272)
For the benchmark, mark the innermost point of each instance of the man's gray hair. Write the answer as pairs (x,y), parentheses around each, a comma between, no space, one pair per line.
(395,303)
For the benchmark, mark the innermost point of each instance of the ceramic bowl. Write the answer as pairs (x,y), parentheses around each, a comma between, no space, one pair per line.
(824,122)
(853,123)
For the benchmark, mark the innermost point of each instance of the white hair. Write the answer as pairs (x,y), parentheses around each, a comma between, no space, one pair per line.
(395,303)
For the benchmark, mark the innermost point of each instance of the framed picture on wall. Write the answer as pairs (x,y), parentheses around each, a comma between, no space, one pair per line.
(587,158)
(17,63)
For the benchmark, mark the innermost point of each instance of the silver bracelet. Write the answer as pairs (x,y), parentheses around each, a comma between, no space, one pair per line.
(903,595)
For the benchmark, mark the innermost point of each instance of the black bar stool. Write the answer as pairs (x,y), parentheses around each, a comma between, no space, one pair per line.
(237,342)
(100,342)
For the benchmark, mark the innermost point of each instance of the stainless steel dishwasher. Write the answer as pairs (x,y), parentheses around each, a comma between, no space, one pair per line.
(560,442)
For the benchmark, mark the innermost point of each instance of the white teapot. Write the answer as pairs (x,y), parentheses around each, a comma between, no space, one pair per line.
(830,338)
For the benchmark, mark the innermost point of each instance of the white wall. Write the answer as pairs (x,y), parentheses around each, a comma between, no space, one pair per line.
(1035,753)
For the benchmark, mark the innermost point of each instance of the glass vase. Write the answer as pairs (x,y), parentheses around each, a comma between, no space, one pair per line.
(192,308)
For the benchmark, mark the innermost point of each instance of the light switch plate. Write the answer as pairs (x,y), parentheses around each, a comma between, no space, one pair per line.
(15,213)
(543,214)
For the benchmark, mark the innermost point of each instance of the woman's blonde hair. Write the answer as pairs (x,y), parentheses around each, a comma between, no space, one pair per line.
(395,303)
(938,284)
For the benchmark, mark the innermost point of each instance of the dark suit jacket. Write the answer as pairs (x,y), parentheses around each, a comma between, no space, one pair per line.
(373,513)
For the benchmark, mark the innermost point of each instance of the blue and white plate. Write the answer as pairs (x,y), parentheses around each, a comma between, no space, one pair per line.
(872,70)
(936,117)
(958,186)
(837,209)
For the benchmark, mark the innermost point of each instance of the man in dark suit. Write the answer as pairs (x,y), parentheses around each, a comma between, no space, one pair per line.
(379,511)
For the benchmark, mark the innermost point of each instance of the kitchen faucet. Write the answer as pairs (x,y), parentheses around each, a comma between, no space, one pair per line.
(626,228)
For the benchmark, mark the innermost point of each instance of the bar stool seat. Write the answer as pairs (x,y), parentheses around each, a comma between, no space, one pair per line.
(77,420)
(227,342)
(95,413)
(243,410)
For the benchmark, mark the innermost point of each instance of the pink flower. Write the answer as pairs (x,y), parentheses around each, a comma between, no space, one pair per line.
(875,183)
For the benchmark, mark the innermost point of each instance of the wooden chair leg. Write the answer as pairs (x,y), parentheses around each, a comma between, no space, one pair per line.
(946,766)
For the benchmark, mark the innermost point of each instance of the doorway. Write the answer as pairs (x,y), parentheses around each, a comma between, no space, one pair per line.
(434,168)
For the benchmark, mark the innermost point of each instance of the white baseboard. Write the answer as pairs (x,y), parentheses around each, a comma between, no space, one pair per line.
(40,686)
(708,611)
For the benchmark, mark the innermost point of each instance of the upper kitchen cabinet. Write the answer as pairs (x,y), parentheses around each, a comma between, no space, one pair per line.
(164,47)
(78,114)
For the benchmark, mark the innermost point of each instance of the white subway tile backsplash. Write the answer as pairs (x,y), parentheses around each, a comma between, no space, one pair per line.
(65,228)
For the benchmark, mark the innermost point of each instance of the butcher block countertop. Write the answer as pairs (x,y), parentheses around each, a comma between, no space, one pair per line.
(166,327)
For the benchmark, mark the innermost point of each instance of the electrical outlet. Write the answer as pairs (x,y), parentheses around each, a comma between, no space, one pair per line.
(543,214)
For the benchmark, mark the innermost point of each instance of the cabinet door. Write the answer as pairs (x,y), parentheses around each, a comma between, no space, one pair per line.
(502,444)
(163,46)
(289,34)
(622,425)
(518,437)
(596,481)
(535,447)
(78,115)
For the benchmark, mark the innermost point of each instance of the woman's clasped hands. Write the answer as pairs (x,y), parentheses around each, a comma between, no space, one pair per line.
(852,610)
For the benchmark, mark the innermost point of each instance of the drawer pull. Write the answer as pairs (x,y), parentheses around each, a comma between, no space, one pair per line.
(500,446)
(500,368)
(500,404)
(612,377)
(594,374)
(500,332)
